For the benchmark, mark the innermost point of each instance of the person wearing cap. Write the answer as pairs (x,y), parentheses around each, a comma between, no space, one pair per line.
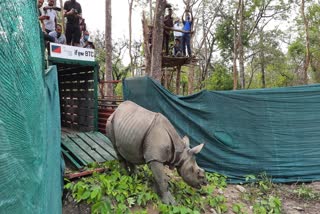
(85,41)
(178,35)
(168,22)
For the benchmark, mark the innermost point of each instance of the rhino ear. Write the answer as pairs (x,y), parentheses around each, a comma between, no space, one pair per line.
(186,141)
(196,149)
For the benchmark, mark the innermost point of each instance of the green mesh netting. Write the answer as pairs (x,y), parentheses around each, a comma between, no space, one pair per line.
(246,132)
(30,174)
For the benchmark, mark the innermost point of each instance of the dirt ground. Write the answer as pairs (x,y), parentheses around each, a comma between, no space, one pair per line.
(291,203)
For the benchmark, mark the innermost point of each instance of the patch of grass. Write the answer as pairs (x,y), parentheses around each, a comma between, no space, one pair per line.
(306,193)
(238,208)
(260,194)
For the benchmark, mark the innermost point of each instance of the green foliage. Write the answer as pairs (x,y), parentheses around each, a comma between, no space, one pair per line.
(224,34)
(238,208)
(306,193)
(220,79)
(261,187)
(261,181)
(165,209)
(296,49)
(118,90)
(270,205)
(116,192)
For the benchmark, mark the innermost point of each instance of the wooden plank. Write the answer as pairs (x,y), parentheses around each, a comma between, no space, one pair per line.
(73,69)
(65,131)
(77,94)
(104,142)
(82,112)
(88,103)
(87,137)
(76,85)
(77,127)
(83,121)
(75,161)
(90,150)
(75,149)
(72,77)
(69,124)
(84,128)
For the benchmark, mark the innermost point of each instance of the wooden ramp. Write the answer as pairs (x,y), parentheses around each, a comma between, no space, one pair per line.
(82,148)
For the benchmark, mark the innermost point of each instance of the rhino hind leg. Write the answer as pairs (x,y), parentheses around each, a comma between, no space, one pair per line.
(110,135)
(161,182)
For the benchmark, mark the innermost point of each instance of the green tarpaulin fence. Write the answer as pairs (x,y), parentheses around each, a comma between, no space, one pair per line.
(30,159)
(247,132)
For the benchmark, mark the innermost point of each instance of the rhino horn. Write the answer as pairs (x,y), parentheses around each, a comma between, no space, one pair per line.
(196,149)
(186,141)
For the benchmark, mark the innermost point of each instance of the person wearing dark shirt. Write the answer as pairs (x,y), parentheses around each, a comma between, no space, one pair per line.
(73,11)
(168,22)
(187,26)
(177,48)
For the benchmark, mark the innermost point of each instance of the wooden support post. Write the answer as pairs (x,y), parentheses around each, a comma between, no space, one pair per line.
(190,78)
(178,80)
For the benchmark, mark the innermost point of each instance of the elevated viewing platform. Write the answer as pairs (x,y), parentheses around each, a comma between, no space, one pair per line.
(170,61)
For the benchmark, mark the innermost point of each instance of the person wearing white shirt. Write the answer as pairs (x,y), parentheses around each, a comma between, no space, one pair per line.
(177,36)
(50,11)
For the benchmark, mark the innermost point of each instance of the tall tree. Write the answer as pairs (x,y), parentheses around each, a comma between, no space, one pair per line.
(235,47)
(108,74)
(147,30)
(150,10)
(157,35)
(130,2)
(307,54)
(240,44)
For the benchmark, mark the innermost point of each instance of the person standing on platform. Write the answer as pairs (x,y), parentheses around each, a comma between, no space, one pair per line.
(187,26)
(73,11)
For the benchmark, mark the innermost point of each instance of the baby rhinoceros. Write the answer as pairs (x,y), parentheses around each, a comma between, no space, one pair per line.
(140,136)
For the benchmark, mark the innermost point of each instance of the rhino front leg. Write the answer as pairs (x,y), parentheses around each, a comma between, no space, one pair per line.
(161,180)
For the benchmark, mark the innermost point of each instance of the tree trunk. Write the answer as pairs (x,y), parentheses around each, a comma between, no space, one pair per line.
(205,70)
(178,80)
(307,57)
(157,38)
(130,36)
(150,10)
(235,48)
(241,51)
(190,78)
(147,53)
(108,73)
(262,61)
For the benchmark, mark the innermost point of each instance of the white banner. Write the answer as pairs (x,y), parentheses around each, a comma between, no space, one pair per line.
(71,52)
